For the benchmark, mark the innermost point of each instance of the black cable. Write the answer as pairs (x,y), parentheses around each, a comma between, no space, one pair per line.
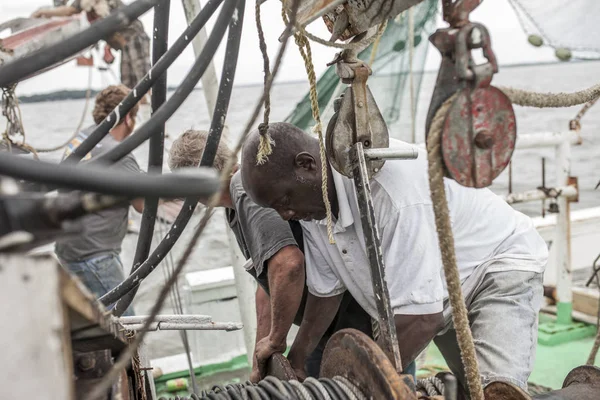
(183,91)
(189,182)
(187,210)
(156,149)
(146,83)
(334,390)
(120,18)
(313,390)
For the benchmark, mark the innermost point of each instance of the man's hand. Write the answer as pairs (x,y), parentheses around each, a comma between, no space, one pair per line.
(264,349)
(298,365)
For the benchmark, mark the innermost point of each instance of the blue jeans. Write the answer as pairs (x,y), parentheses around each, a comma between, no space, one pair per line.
(99,273)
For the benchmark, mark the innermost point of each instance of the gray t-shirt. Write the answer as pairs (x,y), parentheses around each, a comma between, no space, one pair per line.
(102,231)
(260,232)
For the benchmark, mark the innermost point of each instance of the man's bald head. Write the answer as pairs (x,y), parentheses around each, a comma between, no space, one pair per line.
(290,180)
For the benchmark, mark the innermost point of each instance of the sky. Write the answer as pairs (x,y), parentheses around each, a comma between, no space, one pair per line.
(509,43)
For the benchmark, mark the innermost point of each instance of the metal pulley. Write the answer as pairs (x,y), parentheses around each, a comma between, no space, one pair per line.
(479,132)
(357,119)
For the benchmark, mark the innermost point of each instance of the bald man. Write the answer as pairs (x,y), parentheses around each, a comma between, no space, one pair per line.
(500,255)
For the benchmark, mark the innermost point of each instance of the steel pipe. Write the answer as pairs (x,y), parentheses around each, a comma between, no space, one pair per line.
(189,182)
(145,84)
(21,68)
(570,192)
(394,153)
(218,121)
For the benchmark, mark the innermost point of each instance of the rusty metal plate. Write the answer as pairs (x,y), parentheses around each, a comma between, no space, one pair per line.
(504,391)
(585,374)
(279,367)
(352,354)
(479,136)
(341,133)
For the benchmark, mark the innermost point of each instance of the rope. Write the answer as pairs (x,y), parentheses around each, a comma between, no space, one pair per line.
(306,53)
(551,100)
(265,148)
(88,94)
(446,243)
(361,44)
(375,47)
(431,386)
(575,123)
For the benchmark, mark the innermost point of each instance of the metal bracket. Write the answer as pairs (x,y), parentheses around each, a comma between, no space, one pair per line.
(387,339)
(357,119)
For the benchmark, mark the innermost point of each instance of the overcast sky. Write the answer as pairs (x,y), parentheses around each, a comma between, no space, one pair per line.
(508,39)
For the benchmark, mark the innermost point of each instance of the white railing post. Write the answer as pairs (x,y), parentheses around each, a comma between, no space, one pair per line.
(246,293)
(563,236)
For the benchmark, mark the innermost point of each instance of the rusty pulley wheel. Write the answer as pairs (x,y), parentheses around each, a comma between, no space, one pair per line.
(352,354)
(479,136)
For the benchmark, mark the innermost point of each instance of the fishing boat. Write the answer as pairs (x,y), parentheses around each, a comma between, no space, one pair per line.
(71,319)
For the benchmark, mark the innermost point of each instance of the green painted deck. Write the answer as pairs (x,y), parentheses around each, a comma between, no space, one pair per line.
(552,363)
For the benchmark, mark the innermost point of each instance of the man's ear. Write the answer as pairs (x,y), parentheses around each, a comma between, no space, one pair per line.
(305,161)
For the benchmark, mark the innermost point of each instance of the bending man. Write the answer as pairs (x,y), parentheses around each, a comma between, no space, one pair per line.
(500,255)
(274,249)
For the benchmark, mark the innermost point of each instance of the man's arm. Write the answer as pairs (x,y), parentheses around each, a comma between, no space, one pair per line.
(62,11)
(138,204)
(263,324)
(415,332)
(286,283)
(318,316)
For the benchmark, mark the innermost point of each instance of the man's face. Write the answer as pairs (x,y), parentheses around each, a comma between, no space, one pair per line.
(297,198)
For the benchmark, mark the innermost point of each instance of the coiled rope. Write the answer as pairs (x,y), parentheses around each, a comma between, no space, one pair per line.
(431,386)
(338,388)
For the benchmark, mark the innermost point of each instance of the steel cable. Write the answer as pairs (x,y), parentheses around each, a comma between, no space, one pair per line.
(337,388)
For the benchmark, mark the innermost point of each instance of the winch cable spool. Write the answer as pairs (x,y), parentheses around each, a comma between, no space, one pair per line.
(338,388)
(19,69)
(125,356)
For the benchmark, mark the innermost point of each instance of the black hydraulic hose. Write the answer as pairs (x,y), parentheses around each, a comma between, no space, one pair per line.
(218,122)
(156,149)
(146,83)
(191,182)
(183,91)
(23,67)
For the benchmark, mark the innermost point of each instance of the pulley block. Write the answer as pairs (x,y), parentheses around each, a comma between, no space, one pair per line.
(357,119)
(353,355)
(479,136)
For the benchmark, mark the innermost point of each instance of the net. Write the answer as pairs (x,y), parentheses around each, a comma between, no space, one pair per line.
(390,82)
(569,26)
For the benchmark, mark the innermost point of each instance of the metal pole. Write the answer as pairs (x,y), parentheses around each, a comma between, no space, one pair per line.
(411,53)
(210,82)
(246,289)
(563,237)
(388,340)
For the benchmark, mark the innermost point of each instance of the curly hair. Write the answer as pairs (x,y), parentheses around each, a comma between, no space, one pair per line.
(187,149)
(108,99)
